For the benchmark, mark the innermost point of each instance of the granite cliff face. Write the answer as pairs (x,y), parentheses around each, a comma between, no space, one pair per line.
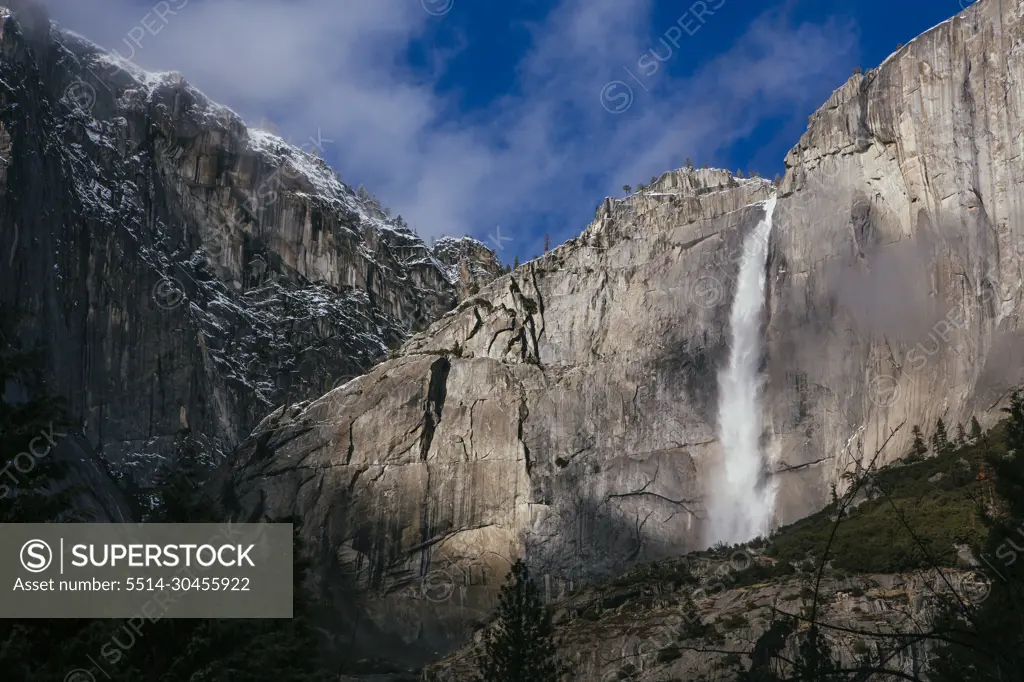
(897,287)
(567,412)
(187,272)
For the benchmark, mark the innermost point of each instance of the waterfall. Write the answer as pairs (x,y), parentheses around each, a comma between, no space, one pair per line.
(742,501)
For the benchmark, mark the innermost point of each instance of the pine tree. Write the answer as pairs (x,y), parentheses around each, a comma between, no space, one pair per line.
(917,448)
(689,163)
(986,636)
(739,173)
(518,647)
(627,189)
(975,430)
(1015,426)
(547,243)
(940,441)
(177,484)
(961,435)
(515,263)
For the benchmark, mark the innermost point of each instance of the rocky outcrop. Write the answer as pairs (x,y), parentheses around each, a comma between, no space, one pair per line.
(567,412)
(696,619)
(184,271)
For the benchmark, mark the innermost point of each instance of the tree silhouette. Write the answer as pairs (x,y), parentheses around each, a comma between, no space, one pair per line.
(940,441)
(983,641)
(975,430)
(917,449)
(815,660)
(518,646)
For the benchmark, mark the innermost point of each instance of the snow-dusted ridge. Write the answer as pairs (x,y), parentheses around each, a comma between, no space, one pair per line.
(324,184)
(201,268)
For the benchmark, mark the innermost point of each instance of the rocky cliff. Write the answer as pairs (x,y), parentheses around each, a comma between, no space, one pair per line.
(697,619)
(567,411)
(897,286)
(185,271)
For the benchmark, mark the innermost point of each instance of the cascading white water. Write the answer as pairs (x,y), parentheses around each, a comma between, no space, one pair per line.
(742,500)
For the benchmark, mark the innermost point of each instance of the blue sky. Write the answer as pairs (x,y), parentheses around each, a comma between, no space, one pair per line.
(518,118)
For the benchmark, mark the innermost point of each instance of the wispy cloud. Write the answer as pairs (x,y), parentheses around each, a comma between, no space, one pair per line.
(528,159)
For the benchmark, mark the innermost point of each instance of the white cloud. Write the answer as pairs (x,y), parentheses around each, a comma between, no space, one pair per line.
(341,68)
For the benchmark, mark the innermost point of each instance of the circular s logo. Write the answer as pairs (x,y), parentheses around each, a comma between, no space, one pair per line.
(36,556)
(616,97)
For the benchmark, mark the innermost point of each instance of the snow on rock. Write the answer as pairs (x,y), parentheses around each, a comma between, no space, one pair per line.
(219,271)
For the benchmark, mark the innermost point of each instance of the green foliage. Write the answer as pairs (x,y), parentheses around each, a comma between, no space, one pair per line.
(759,572)
(518,646)
(975,429)
(940,440)
(983,640)
(918,449)
(874,536)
